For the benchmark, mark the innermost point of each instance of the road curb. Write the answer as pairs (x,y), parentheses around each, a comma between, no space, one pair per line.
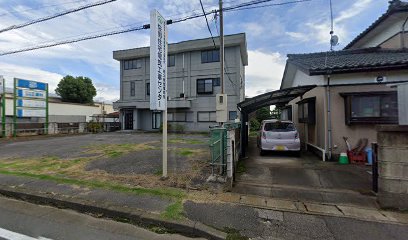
(140,218)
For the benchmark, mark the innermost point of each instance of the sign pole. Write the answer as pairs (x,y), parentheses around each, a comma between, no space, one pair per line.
(3,109)
(46,111)
(14,108)
(165,143)
(158,74)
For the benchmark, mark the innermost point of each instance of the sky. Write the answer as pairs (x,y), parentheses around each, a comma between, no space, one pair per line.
(271,32)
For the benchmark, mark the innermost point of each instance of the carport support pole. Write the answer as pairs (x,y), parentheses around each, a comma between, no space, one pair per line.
(165,143)
(3,110)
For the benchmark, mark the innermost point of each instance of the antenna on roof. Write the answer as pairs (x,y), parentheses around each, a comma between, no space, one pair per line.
(334,39)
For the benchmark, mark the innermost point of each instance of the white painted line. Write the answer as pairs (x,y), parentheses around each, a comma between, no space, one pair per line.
(4,233)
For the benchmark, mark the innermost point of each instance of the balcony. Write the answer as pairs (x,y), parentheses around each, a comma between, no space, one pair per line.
(142,104)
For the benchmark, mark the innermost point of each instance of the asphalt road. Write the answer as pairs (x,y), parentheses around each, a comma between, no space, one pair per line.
(26,221)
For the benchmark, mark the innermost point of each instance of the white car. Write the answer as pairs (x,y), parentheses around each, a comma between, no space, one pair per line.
(276,135)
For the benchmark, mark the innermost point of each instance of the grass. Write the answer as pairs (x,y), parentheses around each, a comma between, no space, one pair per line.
(174,211)
(161,192)
(233,234)
(117,150)
(72,172)
(241,167)
(186,141)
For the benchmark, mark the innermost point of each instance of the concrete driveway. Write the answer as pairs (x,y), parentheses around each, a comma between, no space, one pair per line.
(282,175)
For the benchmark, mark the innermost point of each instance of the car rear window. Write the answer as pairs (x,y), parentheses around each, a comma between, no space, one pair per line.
(279,127)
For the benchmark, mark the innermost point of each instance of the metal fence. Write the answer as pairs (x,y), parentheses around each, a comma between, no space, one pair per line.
(29,129)
(218,147)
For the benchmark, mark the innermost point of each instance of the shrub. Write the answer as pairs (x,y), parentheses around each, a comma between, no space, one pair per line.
(95,127)
(254,124)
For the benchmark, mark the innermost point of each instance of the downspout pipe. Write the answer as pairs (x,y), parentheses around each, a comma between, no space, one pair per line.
(403,33)
(329,125)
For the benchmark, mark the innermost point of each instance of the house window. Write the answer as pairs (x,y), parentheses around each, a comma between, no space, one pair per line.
(307,111)
(177,117)
(156,120)
(171,61)
(132,89)
(216,82)
(371,107)
(206,116)
(204,86)
(148,89)
(286,113)
(210,56)
(132,64)
(232,115)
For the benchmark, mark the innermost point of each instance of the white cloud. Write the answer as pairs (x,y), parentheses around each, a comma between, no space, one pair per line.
(105,92)
(264,72)
(354,10)
(319,31)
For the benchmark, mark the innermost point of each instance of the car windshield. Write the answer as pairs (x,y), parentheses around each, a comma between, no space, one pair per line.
(279,127)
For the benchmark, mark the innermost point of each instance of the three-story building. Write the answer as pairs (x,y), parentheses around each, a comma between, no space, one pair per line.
(193,82)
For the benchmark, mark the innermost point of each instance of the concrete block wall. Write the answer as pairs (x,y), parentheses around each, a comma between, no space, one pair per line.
(393,166)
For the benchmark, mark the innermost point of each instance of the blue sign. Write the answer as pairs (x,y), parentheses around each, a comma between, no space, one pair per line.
(31,84)
(30,94)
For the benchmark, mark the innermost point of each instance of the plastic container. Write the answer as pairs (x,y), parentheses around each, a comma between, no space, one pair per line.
(343,159)
(369,152)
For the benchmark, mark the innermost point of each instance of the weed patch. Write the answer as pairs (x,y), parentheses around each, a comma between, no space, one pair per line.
(174,211)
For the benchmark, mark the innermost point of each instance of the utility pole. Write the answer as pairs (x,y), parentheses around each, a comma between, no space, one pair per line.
(221,47)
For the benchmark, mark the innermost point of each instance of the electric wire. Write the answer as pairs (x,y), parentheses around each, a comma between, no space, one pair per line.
(43,19)
(40,7)
(126,30)
(208,26)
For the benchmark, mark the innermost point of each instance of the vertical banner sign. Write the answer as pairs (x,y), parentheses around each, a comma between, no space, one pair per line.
(30,100)
(158,73)
(3,106)
(158,62)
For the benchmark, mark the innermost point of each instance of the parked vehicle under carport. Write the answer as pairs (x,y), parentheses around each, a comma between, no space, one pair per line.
(276,135)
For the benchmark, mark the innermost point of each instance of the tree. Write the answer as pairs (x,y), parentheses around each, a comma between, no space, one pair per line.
(76,89)
(263,114)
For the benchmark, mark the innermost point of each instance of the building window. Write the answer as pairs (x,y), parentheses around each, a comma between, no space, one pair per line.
(210,56)
(371,107)
(132,89)
(206,116)
(286,113)
(132,64)
(148,89)
(216,82)
(156,120)
(177,117)
(232,115)
(171,61)
(204,86)
(307,111)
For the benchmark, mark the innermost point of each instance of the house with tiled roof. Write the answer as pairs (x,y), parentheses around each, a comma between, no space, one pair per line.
(355,86)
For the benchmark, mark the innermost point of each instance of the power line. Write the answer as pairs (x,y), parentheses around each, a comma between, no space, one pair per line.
(40,7)
(56,15)
(267,5)
(208,26)
(130,29)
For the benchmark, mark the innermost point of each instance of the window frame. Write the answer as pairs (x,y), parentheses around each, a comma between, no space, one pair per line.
(229,115)
(308,104)
(154,117)
(133,88)
(208,56)
(204,82)
(348,100)
(171,63)
(132,64)
(209,116)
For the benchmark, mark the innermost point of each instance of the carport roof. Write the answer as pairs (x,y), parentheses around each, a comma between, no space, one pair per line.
(278,97)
